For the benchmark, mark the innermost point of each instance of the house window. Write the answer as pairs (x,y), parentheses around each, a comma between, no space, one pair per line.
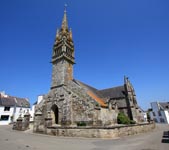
(162,120)
(7,109)
(154,114)
(155,120)
(4,118)
(159,113)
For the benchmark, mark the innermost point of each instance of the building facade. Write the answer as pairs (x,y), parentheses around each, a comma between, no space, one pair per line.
(160,112)
(11,108)
(32,111)
(71,102)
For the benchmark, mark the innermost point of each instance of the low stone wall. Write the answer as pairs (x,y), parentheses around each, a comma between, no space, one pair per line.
(100,132)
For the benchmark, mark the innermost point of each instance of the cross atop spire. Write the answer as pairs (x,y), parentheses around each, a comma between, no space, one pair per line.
(65,7)
(64,21)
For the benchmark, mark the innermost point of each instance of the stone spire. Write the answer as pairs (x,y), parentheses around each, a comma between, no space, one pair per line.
(63,46)
(64,21)
(63,55)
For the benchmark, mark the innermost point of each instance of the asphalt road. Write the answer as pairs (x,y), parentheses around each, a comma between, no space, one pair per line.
(158,139)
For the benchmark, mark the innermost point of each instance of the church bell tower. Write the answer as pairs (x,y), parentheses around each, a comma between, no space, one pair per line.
(63,55)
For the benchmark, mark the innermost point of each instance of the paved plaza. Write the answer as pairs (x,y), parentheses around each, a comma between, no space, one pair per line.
(18,140)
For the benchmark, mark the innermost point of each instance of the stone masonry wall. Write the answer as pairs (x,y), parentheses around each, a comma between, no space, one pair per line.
(74,106)
(62,73)
(113,132)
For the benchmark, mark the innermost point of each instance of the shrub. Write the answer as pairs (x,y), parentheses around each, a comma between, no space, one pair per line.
(148,117)
(81,123)
(132,122)
(122,119)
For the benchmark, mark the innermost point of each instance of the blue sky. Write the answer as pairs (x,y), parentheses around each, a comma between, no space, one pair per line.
(112,39)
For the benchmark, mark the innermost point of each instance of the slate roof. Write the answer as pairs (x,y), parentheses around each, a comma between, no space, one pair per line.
(94,93)
(35,103)
(113,93)
(101,95)
(165,105)
(92,89)
(14,101)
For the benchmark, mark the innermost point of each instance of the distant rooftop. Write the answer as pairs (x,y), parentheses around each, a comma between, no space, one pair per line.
(164,105)
(7,100)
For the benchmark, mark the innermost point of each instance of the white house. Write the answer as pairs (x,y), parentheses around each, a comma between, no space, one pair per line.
(11,108)
(32,111)
(143,115)
(160,112)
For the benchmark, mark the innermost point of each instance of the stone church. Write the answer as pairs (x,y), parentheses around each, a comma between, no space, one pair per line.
(71,102)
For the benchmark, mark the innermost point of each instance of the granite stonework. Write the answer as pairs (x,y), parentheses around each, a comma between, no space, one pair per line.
(22,123)
(71,103)
(104,132)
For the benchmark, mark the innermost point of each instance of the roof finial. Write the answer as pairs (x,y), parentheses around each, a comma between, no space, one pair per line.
(70,34)
(57,34)
(125,79)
